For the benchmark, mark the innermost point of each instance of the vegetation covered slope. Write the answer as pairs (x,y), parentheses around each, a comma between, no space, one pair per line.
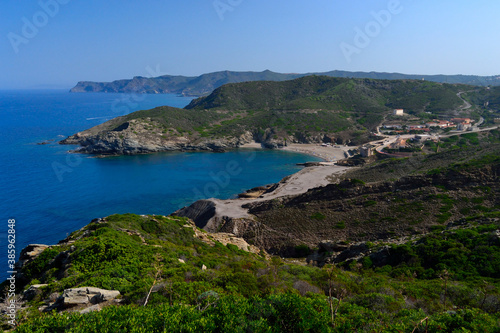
(390,199)
(217,288)
(206,83)
(488,101)
(490,96)
(308,109)
(359,96)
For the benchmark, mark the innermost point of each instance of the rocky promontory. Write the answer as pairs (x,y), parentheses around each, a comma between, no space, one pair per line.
(125,136)
(138,140)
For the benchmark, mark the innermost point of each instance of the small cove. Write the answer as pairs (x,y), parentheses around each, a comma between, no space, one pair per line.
(51,193)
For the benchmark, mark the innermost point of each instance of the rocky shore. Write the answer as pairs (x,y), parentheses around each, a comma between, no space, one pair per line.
(135,137)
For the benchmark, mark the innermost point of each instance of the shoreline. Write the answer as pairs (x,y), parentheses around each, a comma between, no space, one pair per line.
(321,174)
(326,153)
(295,184)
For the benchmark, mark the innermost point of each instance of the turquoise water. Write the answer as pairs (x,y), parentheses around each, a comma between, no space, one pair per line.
(51,193)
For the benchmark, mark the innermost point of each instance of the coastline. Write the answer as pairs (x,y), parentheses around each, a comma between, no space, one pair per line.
(326,153)
(293,183)
(223,210)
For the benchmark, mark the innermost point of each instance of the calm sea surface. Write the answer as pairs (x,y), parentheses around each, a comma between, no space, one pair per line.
(51,193)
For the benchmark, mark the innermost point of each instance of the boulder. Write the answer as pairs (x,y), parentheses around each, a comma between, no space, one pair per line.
(354,252)
(73,297)
(108,295)
(332,246)
(85,295)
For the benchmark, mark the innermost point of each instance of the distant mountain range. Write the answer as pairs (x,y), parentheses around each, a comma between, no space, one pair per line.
(206,83)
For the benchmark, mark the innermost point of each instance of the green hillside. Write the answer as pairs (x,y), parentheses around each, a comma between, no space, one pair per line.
(323,105)
(245,292)
(359,96)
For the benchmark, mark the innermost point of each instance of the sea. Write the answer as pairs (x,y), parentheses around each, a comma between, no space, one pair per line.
(48,192)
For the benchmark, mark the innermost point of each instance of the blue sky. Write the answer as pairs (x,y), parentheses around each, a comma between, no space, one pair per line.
(55,43)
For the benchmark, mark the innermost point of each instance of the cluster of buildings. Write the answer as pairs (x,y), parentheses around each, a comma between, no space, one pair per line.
(460,124)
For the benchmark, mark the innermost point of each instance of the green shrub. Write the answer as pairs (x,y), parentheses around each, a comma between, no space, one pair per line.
(302,250)
(318,216)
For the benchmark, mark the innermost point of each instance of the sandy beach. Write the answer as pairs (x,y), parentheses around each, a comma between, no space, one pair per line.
(327,153)
(297,183)
(251,145)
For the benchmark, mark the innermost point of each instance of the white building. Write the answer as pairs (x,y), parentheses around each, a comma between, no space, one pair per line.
(398,112)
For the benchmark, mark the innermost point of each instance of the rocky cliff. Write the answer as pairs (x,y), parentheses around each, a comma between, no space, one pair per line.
(171,129)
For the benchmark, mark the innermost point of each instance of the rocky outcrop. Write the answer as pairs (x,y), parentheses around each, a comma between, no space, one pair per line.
(224,238)
(201,212)
(133,142)
(137,136)
(33,291)
(142,136)
(82,298)
(210,215)
(29,253)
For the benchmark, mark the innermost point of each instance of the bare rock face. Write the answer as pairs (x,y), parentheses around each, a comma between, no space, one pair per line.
(200,212)
(210,215)
(103,295)
(224,238)
(73,297)
(83,297)
(29,253)
(92,308)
